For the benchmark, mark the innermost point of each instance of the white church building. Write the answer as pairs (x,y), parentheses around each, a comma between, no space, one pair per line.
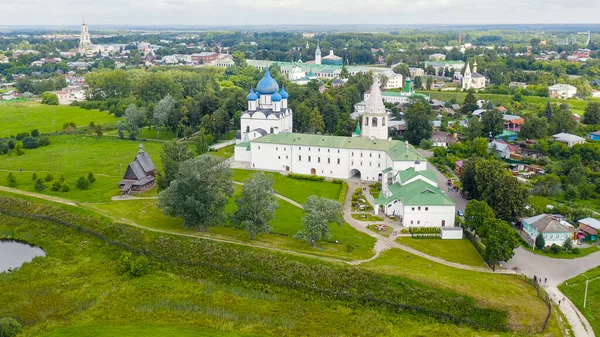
(473,79)
(266,142)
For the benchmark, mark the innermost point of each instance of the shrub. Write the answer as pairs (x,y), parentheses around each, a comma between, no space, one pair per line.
(44,141)
(555,249)
(3,148)
(349,247)
(343,192)
(337,181)
(404,231)
(49,98)
(31,143)
(39,185)
(61,179)
(91,178)
(82,183)
(11,144)
(49,177)
(568,245)
(35,133)
(55,186)
(135,266)
(575,251)
(34,176)
(64,187)
(9,327)
(11,179)
(306,177)
(19,149)
(22,135)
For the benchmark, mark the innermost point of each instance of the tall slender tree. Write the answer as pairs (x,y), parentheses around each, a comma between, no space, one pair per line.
(257,204)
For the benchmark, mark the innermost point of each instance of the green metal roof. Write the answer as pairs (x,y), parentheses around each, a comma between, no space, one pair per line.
(410,173)
(357,130)
(387,170)
(397,150)
(507,133)
(420,193)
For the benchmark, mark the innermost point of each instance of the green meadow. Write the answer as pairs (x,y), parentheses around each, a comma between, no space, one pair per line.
(574,289)
(25,116)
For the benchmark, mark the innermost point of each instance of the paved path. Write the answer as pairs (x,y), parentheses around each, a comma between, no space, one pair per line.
(555,270)
(221,145)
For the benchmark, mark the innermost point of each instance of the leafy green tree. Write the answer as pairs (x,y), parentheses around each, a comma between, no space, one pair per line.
(500,240)
(480,147)
(418,83)
(9,327)
(202,144)
(199,193)
(540,242)
(134,117)
(547,185)
(256,205)
(474,129)
(470,103)
(418,118)
(548,111)
(34,176)
(492,122)
(562,121)
(55,186)
(49,177)
(11,179)
(49,98)
(534,128)
(239,58)
(344,72)
(39,185)
(162,111)
(64,187)
(173,154)
(467,177)
(318,213)
(402,69)
(315,122)
(476,213)
(429,83)
(91,179)
(592,113)
(82,183)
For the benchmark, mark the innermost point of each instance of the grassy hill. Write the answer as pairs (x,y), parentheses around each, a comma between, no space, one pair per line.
(16,117)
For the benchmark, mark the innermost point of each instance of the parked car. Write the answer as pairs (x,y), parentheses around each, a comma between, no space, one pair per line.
(460,212)
(449,182)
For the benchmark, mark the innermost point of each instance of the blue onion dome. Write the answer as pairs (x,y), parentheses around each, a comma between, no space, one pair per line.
(252,96)
(283,93)
(276,97)
(267,85)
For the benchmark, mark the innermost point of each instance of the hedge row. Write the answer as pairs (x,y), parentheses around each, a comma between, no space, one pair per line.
(262,269)
(343,192)
(425,230)
(305,177)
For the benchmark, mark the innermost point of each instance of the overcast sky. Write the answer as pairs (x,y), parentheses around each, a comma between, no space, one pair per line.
(264,12)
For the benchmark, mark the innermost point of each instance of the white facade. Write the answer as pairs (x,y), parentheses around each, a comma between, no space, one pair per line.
(85,44)
(394,81)
(318,55)
(472,80)
(375,118)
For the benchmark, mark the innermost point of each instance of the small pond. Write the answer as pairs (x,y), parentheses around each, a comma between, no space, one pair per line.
(14,253)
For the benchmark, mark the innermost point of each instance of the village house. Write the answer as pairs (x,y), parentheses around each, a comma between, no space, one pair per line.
(554,230)
(568,139)
(442,139)
(588,229)
(562,91)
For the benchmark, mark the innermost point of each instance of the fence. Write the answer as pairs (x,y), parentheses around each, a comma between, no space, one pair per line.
(479,246)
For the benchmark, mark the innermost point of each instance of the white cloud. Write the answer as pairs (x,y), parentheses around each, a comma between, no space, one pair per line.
(265,12)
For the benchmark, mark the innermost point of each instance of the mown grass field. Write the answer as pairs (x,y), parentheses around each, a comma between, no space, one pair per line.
(296,189)
(459,251)
(574,289)
(26,116)
(287,222)
(499,290)
(74,156)
(79,289)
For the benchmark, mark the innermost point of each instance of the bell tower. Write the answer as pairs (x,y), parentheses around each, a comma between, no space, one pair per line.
(375,118)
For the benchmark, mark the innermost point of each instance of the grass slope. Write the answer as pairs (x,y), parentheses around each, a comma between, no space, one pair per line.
(26,116)
(459,251)
(79,286)
(574,289)
(138,330)
(508,292)
(288,221)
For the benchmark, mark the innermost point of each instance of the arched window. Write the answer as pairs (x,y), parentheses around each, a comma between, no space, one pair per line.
(271,130)
(366,121)
(383,121)
(247,128)
(374,122)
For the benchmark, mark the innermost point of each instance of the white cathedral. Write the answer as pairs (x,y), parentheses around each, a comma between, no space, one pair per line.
(266,142)
(472,80)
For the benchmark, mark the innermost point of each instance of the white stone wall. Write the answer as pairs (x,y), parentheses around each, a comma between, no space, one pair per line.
(379,131)
(258,120)
(428,216)
(323,160)
(394,81)
(241,154)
